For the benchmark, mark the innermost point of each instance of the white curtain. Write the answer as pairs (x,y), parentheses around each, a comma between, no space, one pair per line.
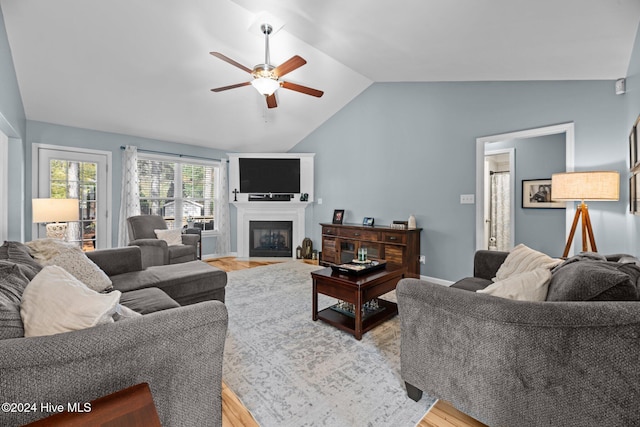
(500,212)
(223,240)
(130,196)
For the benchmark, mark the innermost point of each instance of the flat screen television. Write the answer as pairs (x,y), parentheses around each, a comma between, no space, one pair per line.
(262,176)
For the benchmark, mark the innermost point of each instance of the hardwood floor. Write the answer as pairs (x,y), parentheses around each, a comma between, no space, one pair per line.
(235,414)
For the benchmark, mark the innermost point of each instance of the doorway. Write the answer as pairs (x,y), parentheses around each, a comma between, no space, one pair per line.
(485,143)
(65,172)
(499,206)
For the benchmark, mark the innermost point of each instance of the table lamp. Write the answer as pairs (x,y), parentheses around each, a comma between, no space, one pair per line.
(56,213)
(581,186)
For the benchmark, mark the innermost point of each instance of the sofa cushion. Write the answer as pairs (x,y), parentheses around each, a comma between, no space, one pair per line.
(526,286)
(522,259)
(472,284)
(186,283)
(18,253)
(147,300)
(55,301)
(12,285)
(70,257)
(591,280)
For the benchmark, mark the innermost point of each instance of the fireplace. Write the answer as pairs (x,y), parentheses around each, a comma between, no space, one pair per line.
(270,238)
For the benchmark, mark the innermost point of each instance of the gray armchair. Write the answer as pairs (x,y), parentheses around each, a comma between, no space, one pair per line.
(156,251)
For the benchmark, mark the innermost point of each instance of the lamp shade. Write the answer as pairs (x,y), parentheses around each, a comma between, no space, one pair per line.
(55,210)
(593,185)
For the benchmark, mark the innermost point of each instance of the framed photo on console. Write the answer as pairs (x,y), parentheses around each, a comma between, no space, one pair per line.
(536,193)
(338,216)
(368,221)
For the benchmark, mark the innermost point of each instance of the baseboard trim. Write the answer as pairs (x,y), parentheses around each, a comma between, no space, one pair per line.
(216,256)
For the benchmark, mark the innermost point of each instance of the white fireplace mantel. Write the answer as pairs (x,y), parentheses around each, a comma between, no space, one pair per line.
(293,211)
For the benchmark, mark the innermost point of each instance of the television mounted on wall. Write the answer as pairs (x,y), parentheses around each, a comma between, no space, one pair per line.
(269,175)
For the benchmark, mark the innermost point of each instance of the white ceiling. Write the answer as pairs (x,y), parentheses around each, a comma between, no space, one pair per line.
(143,67)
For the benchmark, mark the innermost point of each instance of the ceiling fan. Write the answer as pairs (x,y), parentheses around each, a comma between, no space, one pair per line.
(266,77)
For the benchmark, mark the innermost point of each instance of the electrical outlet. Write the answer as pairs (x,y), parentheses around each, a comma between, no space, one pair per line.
(320,200)
(422,259)
(467,199)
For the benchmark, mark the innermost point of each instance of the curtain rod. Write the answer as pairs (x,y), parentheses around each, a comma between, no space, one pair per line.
(494,172)
(122,147)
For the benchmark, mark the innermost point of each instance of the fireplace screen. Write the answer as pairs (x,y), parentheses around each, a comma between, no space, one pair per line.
(270,238)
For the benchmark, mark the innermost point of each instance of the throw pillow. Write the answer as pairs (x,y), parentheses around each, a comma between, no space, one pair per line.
(12,285)
(18,253)
(172,237)
(123,313)
(70,257)
(522,259)
(12,281)
(526,286)
(55,302)
(593,281)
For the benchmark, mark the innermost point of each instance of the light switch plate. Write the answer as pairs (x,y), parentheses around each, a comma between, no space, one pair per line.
(467,199)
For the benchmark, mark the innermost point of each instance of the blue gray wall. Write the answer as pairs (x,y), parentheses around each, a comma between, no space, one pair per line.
(403,148)
(632,98)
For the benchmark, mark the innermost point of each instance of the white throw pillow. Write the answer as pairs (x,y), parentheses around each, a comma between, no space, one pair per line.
(172,237)
(527,286)
(522,259)
(70,257)
(55,302)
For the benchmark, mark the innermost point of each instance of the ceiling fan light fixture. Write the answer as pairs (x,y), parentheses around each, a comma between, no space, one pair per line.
(265,85)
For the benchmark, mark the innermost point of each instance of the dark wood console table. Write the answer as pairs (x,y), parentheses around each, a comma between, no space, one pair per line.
(340,244)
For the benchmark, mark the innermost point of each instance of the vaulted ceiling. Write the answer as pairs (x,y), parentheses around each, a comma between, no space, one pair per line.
(143,67)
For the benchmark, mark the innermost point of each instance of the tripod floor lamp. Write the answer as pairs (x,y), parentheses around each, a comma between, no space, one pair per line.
(584,186)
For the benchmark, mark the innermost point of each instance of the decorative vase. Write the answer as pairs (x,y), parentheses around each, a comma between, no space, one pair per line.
(412,221)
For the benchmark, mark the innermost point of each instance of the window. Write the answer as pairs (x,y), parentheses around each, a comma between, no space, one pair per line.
(182,191)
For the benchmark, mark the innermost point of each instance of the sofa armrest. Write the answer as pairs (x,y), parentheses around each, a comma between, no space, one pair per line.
(486,263)
(509,362)
(190,239)
(177,351)
(154,251)
(117,260)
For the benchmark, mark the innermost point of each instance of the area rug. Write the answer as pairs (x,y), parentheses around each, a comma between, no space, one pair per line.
(291,371)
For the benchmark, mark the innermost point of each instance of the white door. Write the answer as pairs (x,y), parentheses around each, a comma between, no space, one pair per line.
(65,172)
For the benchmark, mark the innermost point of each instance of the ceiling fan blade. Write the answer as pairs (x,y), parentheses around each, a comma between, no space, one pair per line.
(220,89)
(230,61)
(271,101)
(288,66)
(302,89)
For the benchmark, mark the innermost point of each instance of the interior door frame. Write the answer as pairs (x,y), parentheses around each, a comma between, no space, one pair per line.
(567,128)
(104,227)
(4,187)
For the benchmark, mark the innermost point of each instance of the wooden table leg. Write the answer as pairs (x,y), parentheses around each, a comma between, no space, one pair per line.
(358,313)
(314,301)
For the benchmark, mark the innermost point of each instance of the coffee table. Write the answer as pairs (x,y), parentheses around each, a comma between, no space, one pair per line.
(356,290)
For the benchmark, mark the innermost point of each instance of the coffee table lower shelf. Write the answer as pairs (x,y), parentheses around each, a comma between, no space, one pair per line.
(348,323)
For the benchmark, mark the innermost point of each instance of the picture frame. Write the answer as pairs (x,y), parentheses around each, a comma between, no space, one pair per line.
(634,194)
(536,194)
(368,221)
(338,216)
(634,161)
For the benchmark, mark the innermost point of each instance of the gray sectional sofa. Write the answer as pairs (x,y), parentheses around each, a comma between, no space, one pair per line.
(176,346)
(521,363)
